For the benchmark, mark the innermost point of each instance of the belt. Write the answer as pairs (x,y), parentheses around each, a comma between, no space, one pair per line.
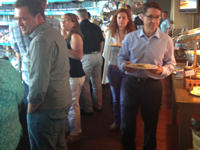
(114,66)
(143,80)
(93,52)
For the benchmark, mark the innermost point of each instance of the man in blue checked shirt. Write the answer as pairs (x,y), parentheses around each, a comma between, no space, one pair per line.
(20,43)
(143,87)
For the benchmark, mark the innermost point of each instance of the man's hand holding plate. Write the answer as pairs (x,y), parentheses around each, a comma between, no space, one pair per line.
(128,69)
(158,70)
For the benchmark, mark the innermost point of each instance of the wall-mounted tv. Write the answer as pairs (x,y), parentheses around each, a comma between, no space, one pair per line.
(188,6)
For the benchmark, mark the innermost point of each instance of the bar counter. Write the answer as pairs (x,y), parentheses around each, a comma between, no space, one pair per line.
(188,105)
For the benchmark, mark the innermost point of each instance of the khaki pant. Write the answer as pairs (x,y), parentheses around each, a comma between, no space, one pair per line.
(92,64)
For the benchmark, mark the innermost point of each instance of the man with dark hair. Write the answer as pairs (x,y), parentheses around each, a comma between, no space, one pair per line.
(93,43)
(129,8)
(154,51)
(89,16)
(20,44)
(165,25)
(49,96)
(138,22)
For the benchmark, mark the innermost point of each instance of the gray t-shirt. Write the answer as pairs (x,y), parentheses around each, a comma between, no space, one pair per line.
(48,68)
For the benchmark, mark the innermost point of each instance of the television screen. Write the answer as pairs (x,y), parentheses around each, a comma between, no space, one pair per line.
(188,6)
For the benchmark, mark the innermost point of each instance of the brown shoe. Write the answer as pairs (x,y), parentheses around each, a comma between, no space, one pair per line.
(114,127)
(71,139)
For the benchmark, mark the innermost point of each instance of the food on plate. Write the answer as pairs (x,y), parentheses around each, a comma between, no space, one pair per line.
(116,44)
(146,66)
(195,91)
(188,68)
(180,69)
(198,53)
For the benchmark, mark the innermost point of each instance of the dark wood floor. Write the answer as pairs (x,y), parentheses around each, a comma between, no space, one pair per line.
(96,134)
(95,129)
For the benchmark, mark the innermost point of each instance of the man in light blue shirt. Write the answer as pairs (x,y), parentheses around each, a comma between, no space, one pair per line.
(165,25)
(143,87)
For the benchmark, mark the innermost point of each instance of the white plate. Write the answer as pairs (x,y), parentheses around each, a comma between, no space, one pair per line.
(141,66)
(193,93)
(116,45)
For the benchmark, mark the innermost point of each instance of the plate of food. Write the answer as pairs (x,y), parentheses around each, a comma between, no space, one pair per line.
(142,66)
(115,44)
(195,93)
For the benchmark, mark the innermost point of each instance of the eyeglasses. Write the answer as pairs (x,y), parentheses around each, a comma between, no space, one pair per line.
(150,17)
(66,20)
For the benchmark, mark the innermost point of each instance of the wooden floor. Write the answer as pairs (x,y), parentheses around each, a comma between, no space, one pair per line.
(95,129)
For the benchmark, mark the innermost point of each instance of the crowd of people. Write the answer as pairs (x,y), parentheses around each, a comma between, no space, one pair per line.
(62,74)
(165,23)
(4,36)
(3,32)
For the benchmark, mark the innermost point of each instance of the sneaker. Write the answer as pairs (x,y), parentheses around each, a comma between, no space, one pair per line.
(114,127)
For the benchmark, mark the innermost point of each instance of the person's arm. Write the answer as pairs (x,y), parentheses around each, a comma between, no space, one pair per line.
(106,49)
(169,62)
(128,69)
(101,41)
(32,108)
(168,31)
(124,56)
(159,70)
(39,72)
(13,42)
(76,44)
(168,27)
(101,47)
(17,54)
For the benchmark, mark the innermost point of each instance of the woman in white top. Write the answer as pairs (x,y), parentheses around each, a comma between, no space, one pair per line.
(120,25)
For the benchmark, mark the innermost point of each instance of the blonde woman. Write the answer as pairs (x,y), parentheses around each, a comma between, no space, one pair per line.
(120,25)
(72,33)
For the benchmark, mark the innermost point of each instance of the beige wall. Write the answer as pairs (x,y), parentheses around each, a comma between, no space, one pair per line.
(189,20)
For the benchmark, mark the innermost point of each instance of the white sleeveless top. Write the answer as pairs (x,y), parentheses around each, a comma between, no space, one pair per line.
(114,53)
(115,50)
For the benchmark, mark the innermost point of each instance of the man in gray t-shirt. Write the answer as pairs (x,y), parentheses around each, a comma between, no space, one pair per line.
(49,96)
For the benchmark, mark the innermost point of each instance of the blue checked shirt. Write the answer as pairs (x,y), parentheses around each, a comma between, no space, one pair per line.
(20,43)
